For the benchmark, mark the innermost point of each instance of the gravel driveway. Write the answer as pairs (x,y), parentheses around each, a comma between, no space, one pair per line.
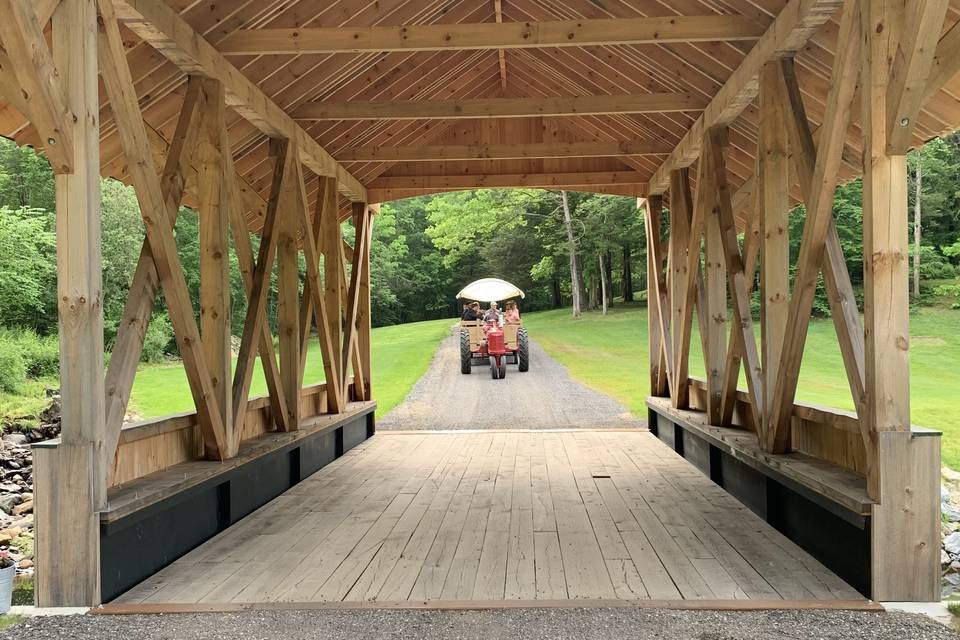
(545,397)
(523,624)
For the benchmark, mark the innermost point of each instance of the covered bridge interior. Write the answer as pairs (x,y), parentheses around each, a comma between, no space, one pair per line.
(289,118)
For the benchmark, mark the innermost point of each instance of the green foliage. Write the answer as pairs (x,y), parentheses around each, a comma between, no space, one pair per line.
(27,269)
(949,291)
(41,354)
(13,368)
(158,343)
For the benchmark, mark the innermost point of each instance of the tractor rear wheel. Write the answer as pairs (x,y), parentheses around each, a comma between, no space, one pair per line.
(523,350)
(465,355)
(494,372)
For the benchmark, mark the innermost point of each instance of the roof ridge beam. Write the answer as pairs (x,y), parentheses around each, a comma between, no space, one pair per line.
(500,107)
(789,32)
(505,180)
(498,35)
(521,151)
(163,28)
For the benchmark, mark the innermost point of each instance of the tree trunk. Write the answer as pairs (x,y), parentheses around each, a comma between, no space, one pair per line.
(607,270)
(627,275)
(576,277)
(557,293)
(603,281)
(916,226)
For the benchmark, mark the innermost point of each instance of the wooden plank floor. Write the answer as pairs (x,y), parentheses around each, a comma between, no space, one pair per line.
(613,515)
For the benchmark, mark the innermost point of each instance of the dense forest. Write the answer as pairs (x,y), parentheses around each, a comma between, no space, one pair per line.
(558,247)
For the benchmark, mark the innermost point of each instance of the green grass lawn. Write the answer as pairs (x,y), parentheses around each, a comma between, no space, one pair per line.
(400,356)
(610,354)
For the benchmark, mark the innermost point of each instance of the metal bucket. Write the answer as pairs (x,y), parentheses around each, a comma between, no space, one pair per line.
(6,587)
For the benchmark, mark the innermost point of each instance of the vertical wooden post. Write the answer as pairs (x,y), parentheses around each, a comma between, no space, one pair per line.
(905,480)
(774,219)
(288,299)
(653,209)
(715,284)
(331,241)
(363,301)
(71,480)
(679,239)
(215,250)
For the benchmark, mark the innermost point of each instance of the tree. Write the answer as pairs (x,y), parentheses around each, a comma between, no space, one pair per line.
(576,278)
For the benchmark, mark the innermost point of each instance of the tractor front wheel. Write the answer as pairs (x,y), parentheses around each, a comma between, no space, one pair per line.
(494,371)
(523,350)
(465,355)
(503,368)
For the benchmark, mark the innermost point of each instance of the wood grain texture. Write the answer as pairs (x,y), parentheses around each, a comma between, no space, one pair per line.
(454,517)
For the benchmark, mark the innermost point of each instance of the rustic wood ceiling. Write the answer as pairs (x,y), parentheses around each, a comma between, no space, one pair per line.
(696,69)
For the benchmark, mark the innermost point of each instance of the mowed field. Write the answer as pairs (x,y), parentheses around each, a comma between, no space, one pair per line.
(400,355)
(609,353)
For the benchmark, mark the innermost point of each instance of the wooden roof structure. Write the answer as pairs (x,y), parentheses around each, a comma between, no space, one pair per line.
(404,97)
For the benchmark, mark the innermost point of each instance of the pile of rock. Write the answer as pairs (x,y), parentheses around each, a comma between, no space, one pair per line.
(950,529)
(16,483)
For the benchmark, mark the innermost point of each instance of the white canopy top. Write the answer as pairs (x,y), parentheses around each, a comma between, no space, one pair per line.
(489,290)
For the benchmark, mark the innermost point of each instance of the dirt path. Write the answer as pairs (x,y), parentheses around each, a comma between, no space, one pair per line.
(543,398)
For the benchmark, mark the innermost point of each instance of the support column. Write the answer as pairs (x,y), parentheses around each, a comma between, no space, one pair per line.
(774,217)
(288,300)
(215,252)
(363,300)
(71,478)
(331,241)
(658,378)
(715,285)
(905,527)
(680,205)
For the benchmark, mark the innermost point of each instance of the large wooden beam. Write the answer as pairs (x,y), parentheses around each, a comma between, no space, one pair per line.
(816,226)
(910,69)
(71,480)
(500,107)
(504,151)
(154,209)
(496,35)
(215,251)
(715,309)
(288,286)
(790,31)
(774,221)
(680,213)
(466,181)
(39,82)
(161,27)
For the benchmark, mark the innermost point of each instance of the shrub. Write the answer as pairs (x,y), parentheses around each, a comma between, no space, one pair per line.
(949,291)
(13,369)
(41,354)
(158,343)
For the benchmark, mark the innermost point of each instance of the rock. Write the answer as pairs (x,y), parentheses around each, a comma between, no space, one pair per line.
(13,532)
(9,501)
(952,543)
(24,523)
(949,474)
(5,539)
(944,558)
(26,563)
(16,439)
(26,496)
(22,508)
(949,512)
(944,494)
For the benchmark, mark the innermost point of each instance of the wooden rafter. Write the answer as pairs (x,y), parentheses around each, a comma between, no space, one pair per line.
(504,151)
(552,180)
(791,30)
(910,69)
(501,57)
(159,25)
(500,35)
(500,107)
(40,90)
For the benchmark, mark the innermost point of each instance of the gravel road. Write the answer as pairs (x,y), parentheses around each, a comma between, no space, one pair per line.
(545,397)
(521,624)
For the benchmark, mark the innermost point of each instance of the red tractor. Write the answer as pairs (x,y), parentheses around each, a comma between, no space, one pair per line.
(496,343)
